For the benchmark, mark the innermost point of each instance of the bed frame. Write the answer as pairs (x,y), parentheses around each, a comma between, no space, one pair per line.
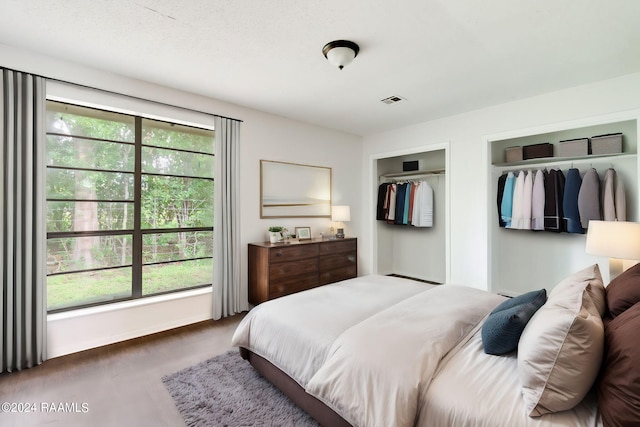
(283,382)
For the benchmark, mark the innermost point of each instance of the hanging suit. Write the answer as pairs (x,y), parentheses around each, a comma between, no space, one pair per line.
(589,198)
(501,183)
(554,182)
(570,201)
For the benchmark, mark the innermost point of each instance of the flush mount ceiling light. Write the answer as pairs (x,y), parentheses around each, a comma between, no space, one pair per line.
(340,52)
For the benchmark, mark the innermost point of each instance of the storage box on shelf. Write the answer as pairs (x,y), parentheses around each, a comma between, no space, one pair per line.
(606,144)
(573,147)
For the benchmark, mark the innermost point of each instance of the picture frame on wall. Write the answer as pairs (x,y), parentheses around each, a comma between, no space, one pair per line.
(291,190)
(303,233)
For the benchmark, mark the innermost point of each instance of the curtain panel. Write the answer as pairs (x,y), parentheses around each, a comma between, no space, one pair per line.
(226,256)
(22,220)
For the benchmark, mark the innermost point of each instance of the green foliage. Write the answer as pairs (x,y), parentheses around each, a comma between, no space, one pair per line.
(102,143)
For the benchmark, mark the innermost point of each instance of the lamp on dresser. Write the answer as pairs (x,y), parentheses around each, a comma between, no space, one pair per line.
(618,240)
(340,214)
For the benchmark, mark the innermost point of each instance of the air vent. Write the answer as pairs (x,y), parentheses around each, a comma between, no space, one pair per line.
(392,99)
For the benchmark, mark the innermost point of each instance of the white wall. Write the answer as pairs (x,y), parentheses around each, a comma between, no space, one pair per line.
(264,136)
(468,173)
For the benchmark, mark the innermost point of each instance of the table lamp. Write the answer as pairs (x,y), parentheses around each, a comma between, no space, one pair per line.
(618,240)
(340,214)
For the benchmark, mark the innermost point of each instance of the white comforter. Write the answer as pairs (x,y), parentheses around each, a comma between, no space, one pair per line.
(296,332)
(377,370)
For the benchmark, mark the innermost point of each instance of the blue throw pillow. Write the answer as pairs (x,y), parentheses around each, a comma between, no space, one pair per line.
(502,329)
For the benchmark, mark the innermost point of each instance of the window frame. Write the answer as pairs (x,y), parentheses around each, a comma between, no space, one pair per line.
(137,232)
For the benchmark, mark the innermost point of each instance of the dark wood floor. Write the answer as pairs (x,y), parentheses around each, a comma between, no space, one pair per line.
(119,384)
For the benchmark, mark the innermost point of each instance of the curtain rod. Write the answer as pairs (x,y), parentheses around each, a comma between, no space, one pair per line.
(128,96)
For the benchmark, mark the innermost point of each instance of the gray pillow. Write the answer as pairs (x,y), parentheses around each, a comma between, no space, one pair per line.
(502,330)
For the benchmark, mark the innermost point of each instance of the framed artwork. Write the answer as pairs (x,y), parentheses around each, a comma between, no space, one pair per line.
(291,190)
(303,233)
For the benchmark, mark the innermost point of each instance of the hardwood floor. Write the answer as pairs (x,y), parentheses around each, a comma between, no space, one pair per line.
(115,385)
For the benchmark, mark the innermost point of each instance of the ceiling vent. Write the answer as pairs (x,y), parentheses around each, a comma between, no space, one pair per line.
(392,100)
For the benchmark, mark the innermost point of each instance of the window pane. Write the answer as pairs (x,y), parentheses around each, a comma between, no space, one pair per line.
(89,185)
(88,122)
(90,154)
(69,290)
(170,202)
(176,275)
(83,253)
(171,135)
(111,215)
(160,247)
(159,160)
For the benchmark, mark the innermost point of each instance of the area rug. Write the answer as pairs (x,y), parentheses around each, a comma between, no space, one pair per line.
(227,391)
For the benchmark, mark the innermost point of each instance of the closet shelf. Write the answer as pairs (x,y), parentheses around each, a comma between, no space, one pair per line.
(554,160)
(412,174)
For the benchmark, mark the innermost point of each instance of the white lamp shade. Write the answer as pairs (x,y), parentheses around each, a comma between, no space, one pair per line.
(614,239)
(340,213)
(341,56)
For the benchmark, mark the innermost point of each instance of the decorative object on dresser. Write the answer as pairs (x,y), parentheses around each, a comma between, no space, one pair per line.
(340,214)
(303,233)
(275,234)
(276,270)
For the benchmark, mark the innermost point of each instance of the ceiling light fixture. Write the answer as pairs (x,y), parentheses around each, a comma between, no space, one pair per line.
(340,52)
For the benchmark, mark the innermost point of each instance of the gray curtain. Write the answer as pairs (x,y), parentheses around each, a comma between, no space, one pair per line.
(22,218)
(226,256)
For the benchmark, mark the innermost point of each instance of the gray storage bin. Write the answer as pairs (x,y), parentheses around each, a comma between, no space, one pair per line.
(573,147)
(606,144)
(513,154)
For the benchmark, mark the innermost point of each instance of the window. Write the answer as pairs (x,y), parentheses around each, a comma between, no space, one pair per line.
(129,207)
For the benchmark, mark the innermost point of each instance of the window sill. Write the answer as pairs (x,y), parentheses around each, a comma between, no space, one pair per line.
(129,304)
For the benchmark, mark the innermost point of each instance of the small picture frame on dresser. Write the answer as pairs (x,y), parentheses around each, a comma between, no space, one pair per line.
(303,233)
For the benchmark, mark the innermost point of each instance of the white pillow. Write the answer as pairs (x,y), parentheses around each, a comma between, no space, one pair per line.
(561,348)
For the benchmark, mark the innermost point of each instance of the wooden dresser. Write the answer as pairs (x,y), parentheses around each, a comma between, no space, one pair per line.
(278,269)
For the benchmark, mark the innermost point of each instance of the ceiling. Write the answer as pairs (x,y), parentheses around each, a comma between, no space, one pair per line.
(442,56)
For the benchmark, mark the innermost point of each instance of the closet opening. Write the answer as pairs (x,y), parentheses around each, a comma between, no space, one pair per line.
(411,216)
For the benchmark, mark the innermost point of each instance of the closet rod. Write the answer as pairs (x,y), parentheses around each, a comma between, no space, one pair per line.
(430,172)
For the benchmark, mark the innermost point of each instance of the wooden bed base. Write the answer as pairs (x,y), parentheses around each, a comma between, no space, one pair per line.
(283,382)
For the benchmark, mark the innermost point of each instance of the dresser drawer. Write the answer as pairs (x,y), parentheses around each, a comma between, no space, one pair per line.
(292,285)
(329,262)
(338,246)
(290,253)
(338,274)
(285,270)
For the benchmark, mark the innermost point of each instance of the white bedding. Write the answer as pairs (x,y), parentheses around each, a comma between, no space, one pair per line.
(385,351)
(295,333)
(474,389)
(390,357)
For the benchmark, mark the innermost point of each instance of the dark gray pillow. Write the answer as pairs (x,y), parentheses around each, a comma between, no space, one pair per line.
(502,329)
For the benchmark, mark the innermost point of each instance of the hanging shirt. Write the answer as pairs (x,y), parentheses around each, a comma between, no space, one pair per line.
(507,199)
(423,206)
(589,198)
(401,192)
(620,200)
(570,201)
(412,196)
(407,203)
(391,203)
(518,195)
(537,202)
(527,195)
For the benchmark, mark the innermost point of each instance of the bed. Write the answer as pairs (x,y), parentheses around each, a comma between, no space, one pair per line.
(389,351)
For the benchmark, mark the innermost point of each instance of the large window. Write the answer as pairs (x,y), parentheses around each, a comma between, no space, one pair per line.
(129,206)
